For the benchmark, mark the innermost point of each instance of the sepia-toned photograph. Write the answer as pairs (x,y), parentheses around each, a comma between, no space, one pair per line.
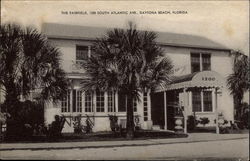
(124,80)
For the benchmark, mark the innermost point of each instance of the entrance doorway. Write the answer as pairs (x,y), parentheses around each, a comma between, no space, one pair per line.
(157,109)
(172,103)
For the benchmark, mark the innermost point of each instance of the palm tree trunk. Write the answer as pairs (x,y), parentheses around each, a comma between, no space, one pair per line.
(130,117)
(240,107)
(238,103)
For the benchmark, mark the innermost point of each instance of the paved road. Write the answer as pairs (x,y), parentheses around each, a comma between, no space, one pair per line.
(224,149)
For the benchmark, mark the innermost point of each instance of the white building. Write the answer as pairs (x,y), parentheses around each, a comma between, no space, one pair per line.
(201,69)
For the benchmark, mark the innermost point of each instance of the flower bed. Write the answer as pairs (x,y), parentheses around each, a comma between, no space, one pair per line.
(105,136)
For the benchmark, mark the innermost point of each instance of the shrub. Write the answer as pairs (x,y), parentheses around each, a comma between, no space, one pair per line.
(204,121)
(55,128)
(27,120)
(244,119)
(77,124)
(89,125)
(191,122)
(113,122)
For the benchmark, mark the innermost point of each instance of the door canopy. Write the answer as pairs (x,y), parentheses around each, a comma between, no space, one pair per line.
(204,79)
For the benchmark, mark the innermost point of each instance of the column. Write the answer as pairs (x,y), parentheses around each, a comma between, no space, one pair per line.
(71,100)
(83,101)
(185,99)
(116,101)
(94,101)
(165,110)
(105,102)
(149,106)
(89,51)
(216,112)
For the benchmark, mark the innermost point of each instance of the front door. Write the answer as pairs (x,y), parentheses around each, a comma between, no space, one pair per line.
(157,109)
(172,102)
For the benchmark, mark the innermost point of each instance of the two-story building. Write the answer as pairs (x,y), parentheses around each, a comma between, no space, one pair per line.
(199,82)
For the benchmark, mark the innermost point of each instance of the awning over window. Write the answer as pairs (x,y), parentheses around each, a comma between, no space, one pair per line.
(204,79)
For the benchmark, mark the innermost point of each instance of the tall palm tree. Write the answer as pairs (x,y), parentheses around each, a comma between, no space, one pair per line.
(128,61)
(238,81)
(28,62)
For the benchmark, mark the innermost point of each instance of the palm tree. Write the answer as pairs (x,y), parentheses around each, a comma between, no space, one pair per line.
(238,81)
(128,61)
(28,62)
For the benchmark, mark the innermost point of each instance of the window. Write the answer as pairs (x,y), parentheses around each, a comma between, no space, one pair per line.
(65,103)
(82,53)
(206,62)
(111,101)
(88,102)
(79,101)
(200,62)
(74,101)
(195,63)
(99,101)
(145,106)
(122,102)
(202,101)
(196,99)
(207,101)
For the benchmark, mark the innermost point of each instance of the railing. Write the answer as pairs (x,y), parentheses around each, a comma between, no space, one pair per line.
(72,66)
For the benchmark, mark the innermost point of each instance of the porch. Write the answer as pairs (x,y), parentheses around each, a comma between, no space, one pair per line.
(192,94)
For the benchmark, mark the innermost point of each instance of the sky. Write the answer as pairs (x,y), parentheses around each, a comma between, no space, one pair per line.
(226,22)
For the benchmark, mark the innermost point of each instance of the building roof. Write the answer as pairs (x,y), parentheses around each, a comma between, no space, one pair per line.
(63,31)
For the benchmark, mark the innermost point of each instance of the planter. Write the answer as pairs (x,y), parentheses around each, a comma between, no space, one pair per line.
(178,124)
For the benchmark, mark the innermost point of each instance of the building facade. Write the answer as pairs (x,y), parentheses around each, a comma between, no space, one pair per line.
(201,67)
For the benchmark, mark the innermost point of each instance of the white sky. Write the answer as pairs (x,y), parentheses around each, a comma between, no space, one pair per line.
(226,22)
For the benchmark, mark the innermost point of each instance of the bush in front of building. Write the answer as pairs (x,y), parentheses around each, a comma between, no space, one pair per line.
(55,128)
(244,119)
(113,123)
(77,124)
(204,121)
(81,128)
(192,122)
(27,121)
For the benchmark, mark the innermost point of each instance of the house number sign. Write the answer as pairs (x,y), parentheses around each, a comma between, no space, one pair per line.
(208,78)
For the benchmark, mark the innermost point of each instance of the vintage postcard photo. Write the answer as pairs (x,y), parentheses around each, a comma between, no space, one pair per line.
(124,80)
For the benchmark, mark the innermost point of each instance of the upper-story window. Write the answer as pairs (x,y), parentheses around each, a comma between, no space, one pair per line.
(82,53)
(200,62)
